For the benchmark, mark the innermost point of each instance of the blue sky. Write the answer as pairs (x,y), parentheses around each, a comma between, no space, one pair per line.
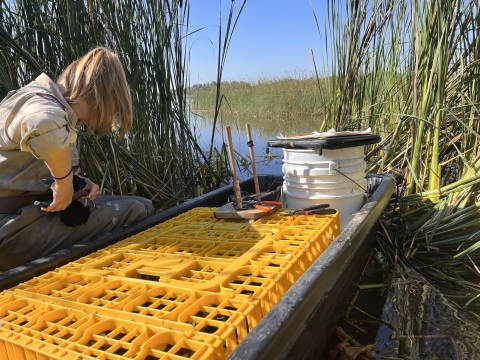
(273,38)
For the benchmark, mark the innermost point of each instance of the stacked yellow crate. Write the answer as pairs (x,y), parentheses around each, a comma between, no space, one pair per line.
(190,288)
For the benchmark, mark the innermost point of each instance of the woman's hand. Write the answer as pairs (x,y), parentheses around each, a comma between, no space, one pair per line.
(92,189)
(62,194)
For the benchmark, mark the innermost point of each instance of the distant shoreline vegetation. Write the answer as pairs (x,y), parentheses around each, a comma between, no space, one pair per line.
(266,97)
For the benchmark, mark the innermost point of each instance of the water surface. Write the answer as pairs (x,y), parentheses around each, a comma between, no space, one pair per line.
(267,160)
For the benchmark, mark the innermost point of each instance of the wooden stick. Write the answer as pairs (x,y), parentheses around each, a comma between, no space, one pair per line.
(236,184)
(254,167)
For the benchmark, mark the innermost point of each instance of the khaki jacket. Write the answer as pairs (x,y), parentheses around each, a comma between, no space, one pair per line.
(33,127)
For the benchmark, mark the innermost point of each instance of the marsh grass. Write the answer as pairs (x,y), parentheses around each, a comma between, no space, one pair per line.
(288,96)
(159,158)
(409,70)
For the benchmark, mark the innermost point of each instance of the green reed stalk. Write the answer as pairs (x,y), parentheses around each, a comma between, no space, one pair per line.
(224,40)
(413,77)
(160,157)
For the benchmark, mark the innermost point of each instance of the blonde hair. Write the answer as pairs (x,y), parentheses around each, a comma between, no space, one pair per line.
(99,78)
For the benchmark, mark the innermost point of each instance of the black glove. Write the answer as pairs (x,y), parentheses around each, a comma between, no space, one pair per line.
(75,214)
(78,211)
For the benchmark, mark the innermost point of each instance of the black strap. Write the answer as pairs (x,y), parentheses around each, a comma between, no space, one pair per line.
(64,177)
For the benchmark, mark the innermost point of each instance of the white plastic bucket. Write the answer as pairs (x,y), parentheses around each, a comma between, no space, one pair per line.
(337,177)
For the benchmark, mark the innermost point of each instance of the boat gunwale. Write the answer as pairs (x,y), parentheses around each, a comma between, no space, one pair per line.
(283,326)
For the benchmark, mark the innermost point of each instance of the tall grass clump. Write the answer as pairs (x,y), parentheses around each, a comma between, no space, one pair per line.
(409,70)
(276,96)
(160,158)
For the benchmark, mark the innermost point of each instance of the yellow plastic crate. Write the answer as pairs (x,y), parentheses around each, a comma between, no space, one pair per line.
(274,220)
(249,282)
(161,302)
(62,285)
(33,330)
(141,237)
(192,248)
(220,315)
(185,231)
(190,288)
(201,216)
(155,244)
(229,250)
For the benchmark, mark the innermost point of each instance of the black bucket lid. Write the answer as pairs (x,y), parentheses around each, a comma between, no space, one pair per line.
(326,142)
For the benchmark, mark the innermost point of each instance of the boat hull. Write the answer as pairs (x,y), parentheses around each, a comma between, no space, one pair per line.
(301,323)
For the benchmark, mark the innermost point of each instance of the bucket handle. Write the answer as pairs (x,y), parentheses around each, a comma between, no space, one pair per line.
(334,168)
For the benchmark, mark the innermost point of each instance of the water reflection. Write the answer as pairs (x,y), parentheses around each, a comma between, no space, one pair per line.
(427,326)
(268,161)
